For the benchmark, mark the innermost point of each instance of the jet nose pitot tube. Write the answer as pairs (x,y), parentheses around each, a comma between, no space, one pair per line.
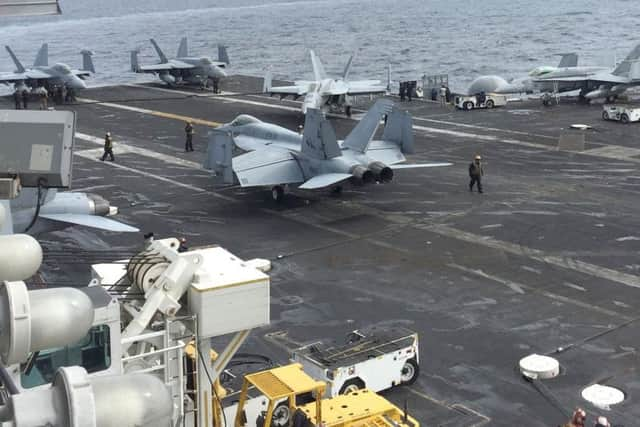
(362,175)
(381,172)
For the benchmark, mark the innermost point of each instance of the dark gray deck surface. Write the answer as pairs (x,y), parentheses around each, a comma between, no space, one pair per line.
(546,258)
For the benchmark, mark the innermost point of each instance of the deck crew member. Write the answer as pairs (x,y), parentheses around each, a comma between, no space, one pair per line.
(443,95)
(183,245)
(476,171)
(25,99)
(188,130)
(17,97)
(42,93)
(602,422)
(578,418)
(108,148)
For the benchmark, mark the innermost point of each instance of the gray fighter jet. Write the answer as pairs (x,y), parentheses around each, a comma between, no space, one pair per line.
(278,158)
(184,68)
(57,211)
(532,82)
(324,92)
(44,75)
(595,82)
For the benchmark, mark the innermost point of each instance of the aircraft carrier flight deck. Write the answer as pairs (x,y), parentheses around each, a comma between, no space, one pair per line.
(545,261)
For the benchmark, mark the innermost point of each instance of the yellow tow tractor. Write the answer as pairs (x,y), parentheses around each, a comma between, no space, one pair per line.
(287,397)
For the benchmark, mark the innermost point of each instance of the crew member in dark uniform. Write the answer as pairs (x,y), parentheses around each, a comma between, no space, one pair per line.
(17,97)
(475,173)
(188,130)
(403,89)
(183,245)
(108,148)
(25,99)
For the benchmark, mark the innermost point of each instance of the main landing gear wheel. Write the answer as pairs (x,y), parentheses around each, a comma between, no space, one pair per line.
(347,110)
(410,372)
(489,103)
(277,193)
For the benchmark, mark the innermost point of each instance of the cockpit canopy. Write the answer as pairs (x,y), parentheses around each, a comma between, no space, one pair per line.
(206,61)
(62,68)
(244,119)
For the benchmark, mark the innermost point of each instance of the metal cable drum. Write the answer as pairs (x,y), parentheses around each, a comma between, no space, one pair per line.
(145,268)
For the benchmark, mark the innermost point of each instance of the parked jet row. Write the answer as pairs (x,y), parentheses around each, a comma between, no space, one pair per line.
(592,82)
(48,76)
(184,68)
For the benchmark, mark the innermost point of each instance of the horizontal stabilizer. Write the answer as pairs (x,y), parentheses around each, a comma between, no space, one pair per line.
(93,221)
(421,165)
(325,180)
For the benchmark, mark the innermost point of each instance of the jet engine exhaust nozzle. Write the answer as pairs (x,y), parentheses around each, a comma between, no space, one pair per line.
(381,172)
(362,175)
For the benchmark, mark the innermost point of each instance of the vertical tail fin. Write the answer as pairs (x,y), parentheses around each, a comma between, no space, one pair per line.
(135,65)
(87,61)
(223,55)
(634,72)
(267,82)
(183,49)
(347,68)
(625,66)
(163,58)
(363,133)
(319,139)
(19,67)
(399,130)
(318,68)
(42,58)
(220,155)
(568,60)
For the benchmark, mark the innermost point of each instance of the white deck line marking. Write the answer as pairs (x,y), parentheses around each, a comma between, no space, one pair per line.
(123,145)
(546,294)
(536,255)
(467,125)
(91,155)
(516,287)
(615,152)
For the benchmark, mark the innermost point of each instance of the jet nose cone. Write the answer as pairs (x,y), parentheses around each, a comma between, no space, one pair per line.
(77,83)
(217,73)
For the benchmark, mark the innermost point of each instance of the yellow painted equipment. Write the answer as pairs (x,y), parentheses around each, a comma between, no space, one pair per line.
(290,383)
